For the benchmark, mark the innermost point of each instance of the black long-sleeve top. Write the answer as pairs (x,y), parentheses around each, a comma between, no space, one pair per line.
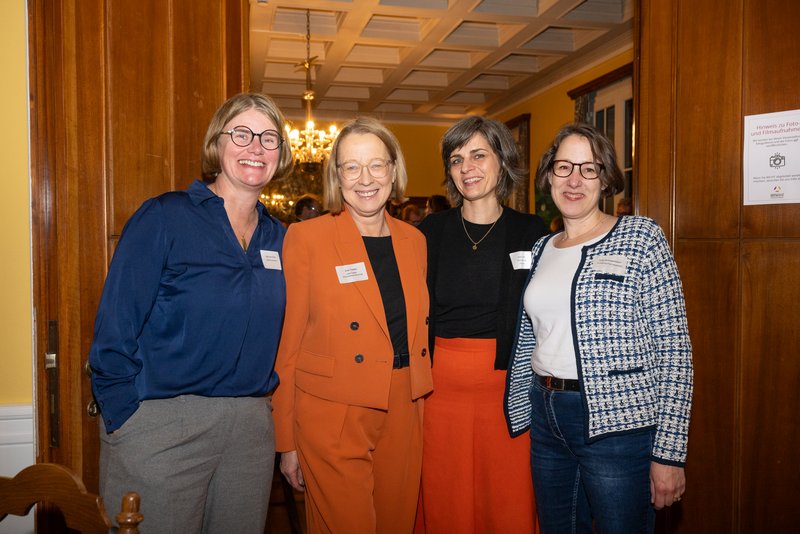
(517,232)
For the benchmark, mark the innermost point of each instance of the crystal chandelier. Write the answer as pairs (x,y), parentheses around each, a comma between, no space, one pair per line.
(310,147)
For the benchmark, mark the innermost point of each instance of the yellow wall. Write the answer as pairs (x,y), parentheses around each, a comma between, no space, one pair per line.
(16,331)
(420,145)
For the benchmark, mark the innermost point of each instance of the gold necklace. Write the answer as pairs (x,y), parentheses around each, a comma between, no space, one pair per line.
(564,237)
(475,243)
(213,188)
(244,232)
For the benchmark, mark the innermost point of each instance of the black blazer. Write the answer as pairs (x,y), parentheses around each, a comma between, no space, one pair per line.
(522,231)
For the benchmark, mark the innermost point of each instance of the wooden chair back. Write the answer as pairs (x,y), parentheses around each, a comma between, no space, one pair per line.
(56,485)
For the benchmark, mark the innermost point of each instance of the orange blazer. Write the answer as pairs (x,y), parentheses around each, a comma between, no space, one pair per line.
(335,342)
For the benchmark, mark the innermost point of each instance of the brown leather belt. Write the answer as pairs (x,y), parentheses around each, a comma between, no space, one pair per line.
(559,384)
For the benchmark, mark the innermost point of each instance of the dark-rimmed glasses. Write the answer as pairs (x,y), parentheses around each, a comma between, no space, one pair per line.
(243,136)
(589,169)
(377,168)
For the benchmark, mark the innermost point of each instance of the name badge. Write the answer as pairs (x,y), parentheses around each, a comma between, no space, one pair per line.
(521,259)
(611,264)
(271,260)
(355,272)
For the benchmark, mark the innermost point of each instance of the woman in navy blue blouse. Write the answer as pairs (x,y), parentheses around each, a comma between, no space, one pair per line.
(186,336)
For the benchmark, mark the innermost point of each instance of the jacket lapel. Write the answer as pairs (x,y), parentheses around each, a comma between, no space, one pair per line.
(350,247)
(409,266)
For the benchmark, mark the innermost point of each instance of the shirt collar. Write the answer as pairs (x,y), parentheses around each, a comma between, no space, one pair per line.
(199,192)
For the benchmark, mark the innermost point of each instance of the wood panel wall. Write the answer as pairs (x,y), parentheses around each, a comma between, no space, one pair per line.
(701,66)
(121,95)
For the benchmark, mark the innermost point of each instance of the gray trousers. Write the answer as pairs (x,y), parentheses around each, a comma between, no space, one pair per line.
(200,464)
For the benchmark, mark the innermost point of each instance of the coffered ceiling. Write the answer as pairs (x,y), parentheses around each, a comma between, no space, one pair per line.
(427,61)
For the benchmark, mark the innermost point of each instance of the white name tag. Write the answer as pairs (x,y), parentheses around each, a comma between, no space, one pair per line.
(355,272)
(521,259)
(612,264)
(271,260)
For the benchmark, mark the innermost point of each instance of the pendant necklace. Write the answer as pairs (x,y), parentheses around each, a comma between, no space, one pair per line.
(242,239)
(475,243)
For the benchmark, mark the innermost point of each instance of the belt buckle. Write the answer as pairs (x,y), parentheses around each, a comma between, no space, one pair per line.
(552,382)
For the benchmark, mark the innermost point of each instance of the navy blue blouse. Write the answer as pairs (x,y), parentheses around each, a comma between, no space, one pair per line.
(185,310)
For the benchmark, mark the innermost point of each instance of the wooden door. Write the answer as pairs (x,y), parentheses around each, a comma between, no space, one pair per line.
(121,95)
(702,66)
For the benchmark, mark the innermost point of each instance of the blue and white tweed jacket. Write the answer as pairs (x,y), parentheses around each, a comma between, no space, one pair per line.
(631,341)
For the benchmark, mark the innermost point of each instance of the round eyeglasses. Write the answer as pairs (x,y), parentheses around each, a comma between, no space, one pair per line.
(589,169)
(243,136)
(377,168)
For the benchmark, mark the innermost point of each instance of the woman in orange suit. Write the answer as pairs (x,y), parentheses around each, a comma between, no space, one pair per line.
(353,360)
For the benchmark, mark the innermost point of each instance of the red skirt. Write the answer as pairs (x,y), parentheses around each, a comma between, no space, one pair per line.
(475,478)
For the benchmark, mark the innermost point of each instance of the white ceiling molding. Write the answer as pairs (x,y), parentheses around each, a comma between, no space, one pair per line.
(428,61)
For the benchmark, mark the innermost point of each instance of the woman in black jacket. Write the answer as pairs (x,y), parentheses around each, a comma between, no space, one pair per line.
(475,477)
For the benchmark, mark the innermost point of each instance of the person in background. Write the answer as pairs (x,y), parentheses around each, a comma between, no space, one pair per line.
(601,370)
(307,207)
(353,359)
(475,477)
(436,203)
(411,214)
(186,336)
(624,207)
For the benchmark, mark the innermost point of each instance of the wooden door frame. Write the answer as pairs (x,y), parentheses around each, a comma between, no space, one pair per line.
(59,200)
(71,241)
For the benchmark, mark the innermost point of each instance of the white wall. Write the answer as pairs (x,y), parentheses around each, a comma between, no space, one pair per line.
(16,453)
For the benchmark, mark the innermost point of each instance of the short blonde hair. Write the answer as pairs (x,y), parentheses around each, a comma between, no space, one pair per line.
(332,192)
(227,111)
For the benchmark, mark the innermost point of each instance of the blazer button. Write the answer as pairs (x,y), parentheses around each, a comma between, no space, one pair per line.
(424,351)
(359,358)
(354,325)
(427,320)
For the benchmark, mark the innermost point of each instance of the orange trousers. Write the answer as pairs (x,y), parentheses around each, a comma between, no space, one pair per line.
(475,478)
(361,465)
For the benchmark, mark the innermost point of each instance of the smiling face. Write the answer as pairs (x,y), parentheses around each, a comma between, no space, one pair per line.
(251,166)
(365,196)
(575,197)
(475,169)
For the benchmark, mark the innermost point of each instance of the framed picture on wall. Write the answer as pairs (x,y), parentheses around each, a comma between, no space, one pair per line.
(520,130)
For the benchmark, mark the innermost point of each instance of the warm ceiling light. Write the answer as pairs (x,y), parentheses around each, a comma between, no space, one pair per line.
(310,146)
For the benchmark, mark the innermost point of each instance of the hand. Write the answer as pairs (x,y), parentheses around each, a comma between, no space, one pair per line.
(667,484)
(290,467)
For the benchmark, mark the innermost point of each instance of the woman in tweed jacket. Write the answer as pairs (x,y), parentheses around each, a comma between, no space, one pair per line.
(601,369)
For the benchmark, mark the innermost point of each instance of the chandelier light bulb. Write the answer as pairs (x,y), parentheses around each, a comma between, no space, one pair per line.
(310,145)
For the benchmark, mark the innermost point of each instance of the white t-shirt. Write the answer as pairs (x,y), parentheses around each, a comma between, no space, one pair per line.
(547,303)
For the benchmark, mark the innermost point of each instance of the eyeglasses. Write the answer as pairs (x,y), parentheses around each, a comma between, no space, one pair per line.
(243,136)
(377,168)
(589,169)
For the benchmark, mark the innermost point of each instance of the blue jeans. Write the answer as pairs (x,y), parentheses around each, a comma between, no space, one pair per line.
(606,481)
